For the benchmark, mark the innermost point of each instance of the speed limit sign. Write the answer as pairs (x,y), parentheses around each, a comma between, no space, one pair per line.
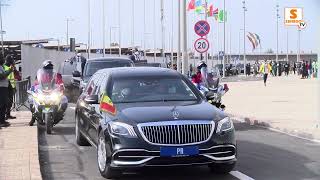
(201,45)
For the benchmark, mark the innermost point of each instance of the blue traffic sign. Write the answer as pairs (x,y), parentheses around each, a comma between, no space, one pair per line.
(202,28)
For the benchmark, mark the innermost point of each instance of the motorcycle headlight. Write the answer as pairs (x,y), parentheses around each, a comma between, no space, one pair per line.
(122,129)
(55,97)
(225,125)
(41,97)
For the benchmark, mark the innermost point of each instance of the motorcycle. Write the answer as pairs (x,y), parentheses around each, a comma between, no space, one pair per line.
(47,100)
(212,89)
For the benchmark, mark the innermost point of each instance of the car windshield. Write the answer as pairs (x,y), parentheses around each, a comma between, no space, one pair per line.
(93,67)
(151,90)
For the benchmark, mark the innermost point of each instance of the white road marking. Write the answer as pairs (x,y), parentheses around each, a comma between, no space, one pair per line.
(73,108)
(240,175)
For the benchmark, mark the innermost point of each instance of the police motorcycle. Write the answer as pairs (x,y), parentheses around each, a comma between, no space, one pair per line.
(211,87)
(47,102)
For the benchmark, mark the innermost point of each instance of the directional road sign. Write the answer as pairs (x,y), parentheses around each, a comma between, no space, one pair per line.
(202,28)
(201,45)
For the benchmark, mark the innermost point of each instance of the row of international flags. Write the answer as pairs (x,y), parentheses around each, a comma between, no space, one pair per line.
(201,7)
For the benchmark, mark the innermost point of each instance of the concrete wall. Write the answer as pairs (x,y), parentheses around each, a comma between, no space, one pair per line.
(32,58)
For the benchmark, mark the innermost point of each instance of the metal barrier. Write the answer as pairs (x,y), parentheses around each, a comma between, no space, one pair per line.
(21,95)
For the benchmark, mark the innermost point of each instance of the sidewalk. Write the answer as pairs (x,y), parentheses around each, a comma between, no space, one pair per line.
(288,104)
(19,158)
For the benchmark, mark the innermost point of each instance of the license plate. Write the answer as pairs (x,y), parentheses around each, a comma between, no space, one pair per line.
(179,151)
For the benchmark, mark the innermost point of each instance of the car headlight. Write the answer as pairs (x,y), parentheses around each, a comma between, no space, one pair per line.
(122,129)
(225,125)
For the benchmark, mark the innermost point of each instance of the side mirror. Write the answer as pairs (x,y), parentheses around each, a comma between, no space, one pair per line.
(92,99)
(76,74)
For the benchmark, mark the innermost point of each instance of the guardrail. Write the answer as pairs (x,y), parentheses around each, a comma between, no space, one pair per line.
(21,95)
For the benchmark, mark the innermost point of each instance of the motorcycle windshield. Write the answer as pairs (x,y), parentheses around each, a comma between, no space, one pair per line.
(211,79)
(46,79)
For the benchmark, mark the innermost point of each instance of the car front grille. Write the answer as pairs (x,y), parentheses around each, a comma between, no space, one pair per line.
(176,132)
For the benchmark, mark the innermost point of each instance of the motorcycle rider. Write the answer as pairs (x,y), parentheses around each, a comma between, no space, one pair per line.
(198,78)
(47,66)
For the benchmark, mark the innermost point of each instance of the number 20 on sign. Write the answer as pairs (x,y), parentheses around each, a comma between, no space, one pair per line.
(201,45)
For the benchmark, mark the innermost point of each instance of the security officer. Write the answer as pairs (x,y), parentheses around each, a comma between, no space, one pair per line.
(12,85)
(4,83)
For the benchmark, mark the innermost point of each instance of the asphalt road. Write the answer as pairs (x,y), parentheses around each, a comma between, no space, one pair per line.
(262,155)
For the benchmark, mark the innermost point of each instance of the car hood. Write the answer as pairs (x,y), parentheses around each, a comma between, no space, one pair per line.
(154,112)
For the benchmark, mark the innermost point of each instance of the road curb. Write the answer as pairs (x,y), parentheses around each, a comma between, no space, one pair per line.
(255,122)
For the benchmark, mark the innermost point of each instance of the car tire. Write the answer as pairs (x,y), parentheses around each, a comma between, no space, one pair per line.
(80,139)
(103,161)
(221,168)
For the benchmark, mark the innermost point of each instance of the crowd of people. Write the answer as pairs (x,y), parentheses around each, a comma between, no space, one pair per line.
(305,69)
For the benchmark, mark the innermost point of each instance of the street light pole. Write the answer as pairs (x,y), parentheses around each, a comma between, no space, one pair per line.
(244,36)
(278,16)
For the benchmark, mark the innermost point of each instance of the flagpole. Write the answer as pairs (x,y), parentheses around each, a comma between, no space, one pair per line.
(103,28)
(206,18)
(119,14)
(162,31)
(89,28)
(144,30)
(278,16)
(184,37)
(224,38)
(287,44)
(154,31)
(179,38)
(244,35)
(132,43)
(172,4)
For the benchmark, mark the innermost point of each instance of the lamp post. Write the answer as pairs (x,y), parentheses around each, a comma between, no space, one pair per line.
(244,35)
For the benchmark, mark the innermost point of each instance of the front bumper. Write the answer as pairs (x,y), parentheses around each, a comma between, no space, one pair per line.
(145,158)
(135,152)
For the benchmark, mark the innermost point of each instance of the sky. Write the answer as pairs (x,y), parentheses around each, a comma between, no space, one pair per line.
(36,19)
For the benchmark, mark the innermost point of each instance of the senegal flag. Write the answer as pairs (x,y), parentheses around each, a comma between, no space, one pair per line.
(106,105)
